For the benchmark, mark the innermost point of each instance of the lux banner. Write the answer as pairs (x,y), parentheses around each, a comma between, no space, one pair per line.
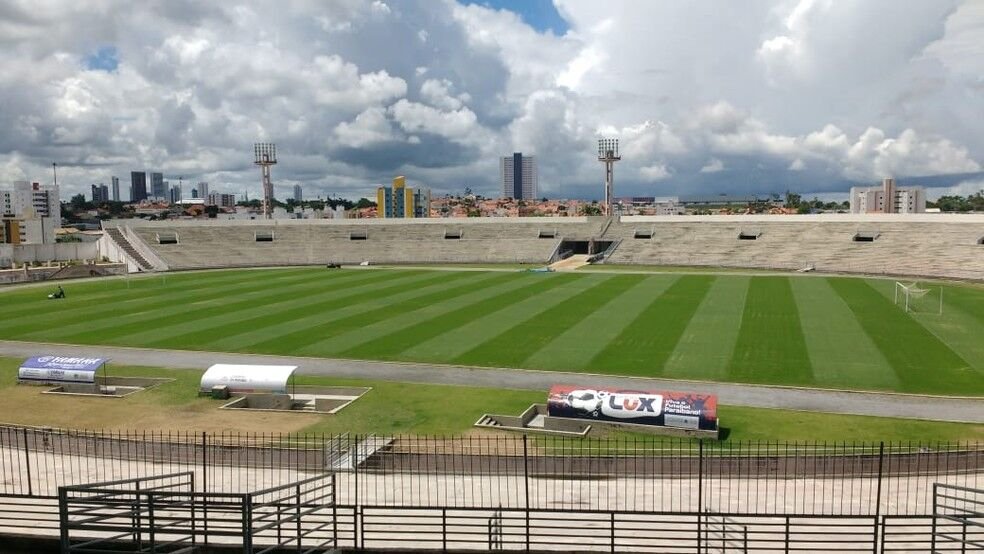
(670,409)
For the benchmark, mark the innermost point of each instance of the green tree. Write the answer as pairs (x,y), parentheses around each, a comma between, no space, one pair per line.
(364,203)
(976,201)
(590,209)
(79,203)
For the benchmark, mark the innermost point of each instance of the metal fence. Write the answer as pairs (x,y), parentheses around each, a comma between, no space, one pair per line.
(513,471)
(502,491)
(958,518)
(166,513)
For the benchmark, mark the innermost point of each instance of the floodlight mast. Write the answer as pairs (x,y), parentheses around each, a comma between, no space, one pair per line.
(265,156)
(608,155)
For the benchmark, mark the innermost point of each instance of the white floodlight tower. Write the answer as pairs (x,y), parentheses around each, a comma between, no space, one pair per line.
(265,156)
(608,155)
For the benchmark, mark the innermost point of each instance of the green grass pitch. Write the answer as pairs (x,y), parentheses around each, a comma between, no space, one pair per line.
(828,332)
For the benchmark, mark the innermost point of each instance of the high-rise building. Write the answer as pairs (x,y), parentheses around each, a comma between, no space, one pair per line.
(517,174)
(888,198)
(202,189)
(401,201)
(116,189)
(100,193)
(298,193)
(158,187)
(174,194)
(138,186)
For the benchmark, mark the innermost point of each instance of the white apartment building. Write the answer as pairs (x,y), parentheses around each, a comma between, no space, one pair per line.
(31,212)
(220,199)
(888,199)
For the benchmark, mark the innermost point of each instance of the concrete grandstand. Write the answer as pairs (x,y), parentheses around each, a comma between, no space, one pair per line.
(913,245)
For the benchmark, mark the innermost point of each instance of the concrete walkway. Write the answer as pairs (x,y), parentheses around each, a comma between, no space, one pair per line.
(967,410)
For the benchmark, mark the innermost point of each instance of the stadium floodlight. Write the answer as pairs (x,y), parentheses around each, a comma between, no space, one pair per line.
(265,155)
(914,298)
(608,155)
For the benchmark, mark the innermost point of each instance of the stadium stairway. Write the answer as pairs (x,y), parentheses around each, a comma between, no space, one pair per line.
(117,236)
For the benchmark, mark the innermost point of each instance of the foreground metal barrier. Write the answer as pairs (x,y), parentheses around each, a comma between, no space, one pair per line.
(511,471)
(165,514)
(492,493)
(455,529)
(962,507)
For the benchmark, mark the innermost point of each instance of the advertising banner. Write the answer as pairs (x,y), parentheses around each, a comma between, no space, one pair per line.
(60,369)
(681,410)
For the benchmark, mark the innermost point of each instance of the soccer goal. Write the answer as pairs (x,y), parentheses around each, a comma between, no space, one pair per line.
(917,299)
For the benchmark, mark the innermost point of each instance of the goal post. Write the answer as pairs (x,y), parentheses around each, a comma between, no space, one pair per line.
(914,298)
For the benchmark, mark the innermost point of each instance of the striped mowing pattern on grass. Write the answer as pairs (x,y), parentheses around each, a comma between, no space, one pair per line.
(770,346)
(831,332)
(704,349)
(840,351)
(583,340)
(447,317)
(921,361)
(646,344)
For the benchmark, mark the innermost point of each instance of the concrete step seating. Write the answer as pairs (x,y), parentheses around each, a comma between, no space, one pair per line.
(933,249)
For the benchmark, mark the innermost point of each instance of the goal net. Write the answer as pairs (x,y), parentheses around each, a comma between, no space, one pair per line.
(919,299)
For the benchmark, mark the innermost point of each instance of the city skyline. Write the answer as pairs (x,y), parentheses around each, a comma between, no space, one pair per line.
(791,98)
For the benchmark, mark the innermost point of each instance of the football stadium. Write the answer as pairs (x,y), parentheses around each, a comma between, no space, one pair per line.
(701,384)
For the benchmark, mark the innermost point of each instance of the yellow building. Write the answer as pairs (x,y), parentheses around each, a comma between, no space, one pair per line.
(10,232)
(401,201)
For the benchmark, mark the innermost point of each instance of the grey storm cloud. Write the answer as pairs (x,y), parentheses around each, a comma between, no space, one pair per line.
(758,96)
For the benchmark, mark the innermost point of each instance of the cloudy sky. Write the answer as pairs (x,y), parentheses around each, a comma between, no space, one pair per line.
(707,97)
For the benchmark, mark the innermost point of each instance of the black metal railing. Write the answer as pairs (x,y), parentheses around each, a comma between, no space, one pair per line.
(959,507)
(731,495)
(512,471)
(166,514)
(459,529)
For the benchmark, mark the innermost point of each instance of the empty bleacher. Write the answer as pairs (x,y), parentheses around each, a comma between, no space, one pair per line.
(885,246)
(937,246)
(273,243)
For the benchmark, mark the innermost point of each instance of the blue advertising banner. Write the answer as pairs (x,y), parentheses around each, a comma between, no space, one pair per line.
(60,369)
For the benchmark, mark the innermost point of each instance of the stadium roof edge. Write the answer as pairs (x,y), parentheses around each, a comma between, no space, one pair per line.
(437,221)
(810,218)
(548,221)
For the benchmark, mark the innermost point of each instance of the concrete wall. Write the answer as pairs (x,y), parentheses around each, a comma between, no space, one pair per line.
(58,252)
(34,274)
(268,402)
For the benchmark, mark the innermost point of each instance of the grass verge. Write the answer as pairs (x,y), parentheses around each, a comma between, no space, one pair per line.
(393,408)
